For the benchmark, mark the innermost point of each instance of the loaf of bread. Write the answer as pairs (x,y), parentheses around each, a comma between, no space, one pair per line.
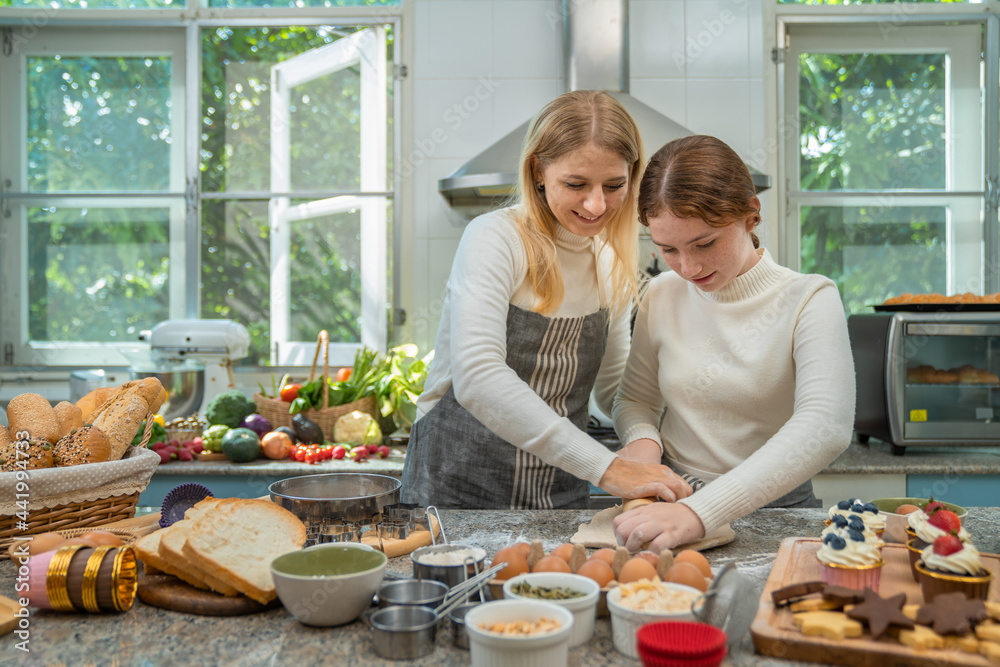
(87,444)
(68,416)
(93,400)
(121,415)
(34,414)
(238,545)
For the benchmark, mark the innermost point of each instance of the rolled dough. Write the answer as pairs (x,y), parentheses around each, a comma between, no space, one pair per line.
(600,532)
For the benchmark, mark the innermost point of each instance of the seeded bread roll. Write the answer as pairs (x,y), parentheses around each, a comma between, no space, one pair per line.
(34,414)
(69,417)
(8,452)
(39,454)
(87,444)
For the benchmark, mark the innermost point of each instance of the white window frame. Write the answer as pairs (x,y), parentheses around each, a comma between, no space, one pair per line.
(377,191)
(963,142)
(365,48)
(973,251)
(114,42)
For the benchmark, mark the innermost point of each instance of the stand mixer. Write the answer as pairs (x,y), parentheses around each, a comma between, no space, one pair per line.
(194,361)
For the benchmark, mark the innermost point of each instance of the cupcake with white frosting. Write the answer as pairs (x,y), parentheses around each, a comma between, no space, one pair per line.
(850,560)
(950,565)
(868,512)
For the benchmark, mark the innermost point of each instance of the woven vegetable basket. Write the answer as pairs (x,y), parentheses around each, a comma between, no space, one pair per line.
(84,496)
(276,411)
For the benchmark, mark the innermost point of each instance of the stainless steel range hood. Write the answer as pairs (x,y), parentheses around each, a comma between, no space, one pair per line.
(595,56)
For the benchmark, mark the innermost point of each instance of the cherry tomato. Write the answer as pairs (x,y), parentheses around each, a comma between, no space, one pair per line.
(290,392)
(312,457)
(344,374)
(300,454)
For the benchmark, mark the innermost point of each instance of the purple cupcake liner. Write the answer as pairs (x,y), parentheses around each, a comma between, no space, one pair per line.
(180,499)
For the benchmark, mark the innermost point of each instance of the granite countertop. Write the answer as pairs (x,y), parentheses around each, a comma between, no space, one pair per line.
(151,637)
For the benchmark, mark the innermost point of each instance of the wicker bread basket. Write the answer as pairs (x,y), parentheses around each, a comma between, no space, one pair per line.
(84,496)
(276,411)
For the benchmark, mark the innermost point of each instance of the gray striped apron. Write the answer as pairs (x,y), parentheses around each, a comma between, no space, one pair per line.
(453,460)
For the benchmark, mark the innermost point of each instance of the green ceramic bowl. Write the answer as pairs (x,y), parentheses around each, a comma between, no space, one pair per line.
(895,524)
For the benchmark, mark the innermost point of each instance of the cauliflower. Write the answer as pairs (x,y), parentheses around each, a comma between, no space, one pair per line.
(229,408)
(357,427)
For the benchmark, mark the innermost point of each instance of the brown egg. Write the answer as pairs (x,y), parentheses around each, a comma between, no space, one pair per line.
(551,564)
(523,547)
(650,557)
(635,569)
(597,570)
(45,542)
(563,551)
(687,575)
(606,554)
(907,508)
(695,558)
(102,538)
(516,563)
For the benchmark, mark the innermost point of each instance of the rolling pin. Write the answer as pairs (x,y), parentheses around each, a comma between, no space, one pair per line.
(632,503)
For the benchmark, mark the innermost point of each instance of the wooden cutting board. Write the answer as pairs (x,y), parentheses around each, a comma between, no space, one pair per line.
(168,592)
(775,634)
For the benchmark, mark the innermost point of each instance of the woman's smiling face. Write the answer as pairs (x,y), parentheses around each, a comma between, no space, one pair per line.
(585,188)
(706,256)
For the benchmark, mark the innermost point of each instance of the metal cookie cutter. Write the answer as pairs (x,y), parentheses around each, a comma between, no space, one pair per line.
(401,519)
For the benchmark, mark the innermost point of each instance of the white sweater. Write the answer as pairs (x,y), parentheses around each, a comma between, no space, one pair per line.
(487,277)
(757,380)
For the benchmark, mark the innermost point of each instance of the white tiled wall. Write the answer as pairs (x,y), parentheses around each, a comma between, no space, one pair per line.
(482,67)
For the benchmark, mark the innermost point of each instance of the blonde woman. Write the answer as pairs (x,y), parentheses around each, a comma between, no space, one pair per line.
(536,318)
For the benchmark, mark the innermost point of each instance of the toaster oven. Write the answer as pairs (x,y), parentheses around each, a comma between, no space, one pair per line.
(927,377)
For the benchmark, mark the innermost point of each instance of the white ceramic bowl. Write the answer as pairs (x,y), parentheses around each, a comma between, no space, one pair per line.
(584,608)
(626,622)
(327,599)
(489,649)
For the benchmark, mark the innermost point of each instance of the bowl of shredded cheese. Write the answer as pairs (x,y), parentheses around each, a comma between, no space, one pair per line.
(518,633)
(635,604)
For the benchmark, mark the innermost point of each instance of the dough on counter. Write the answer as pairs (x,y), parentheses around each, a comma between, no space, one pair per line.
(600,532)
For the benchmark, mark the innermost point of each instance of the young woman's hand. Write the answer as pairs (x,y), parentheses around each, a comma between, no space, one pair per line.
(658,526)
(634,479)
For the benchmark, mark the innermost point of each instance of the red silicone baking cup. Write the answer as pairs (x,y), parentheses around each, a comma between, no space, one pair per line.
(656,660)
(680,643)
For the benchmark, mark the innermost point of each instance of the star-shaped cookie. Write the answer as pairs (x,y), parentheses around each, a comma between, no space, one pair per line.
(952,614)
(878,613)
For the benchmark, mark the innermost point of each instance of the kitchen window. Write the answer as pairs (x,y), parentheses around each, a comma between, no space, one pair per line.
(888,140)
(238,168)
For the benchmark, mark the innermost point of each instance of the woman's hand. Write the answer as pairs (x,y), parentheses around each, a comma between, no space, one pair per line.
(658,526)
(634,479)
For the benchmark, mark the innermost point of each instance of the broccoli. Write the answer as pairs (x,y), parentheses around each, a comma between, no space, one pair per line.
(229,408)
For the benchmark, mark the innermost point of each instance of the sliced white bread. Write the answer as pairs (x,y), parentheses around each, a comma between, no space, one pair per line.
(171,551)
(147,550)
(238,548)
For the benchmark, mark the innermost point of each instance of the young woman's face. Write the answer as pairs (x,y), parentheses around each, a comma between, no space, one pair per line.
(709,257)
(585,188)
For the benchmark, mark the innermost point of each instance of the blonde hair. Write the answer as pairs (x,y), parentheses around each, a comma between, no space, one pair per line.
(567,123)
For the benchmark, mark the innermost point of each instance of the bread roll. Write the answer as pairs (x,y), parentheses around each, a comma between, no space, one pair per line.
(87,444)
(39,454)
(93,400)
(120,421)
(69,417)
(8,451)
(34,414)
(5,438)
